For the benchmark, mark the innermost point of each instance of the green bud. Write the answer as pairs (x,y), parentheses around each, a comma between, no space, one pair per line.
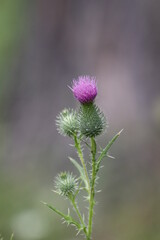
(92,121)
(67,123)
(66,184)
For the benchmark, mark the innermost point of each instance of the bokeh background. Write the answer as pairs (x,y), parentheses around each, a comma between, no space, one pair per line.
(44,44)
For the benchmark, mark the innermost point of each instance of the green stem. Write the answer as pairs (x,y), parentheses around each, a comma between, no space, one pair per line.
(79,215)
(92,192)
(80,154)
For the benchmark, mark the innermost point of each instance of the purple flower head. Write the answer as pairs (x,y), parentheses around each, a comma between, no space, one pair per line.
(84,89)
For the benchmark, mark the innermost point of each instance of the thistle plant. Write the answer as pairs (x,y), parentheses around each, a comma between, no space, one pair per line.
(82,126)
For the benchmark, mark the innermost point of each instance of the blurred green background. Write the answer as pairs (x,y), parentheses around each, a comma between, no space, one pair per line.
(44,44)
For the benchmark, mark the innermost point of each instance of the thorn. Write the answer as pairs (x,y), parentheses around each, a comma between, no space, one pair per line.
(98,191)
(71,145)
(78,232)
(43,202)
(12,235)
(110,156)
(70,88)
(101,166)
(54,191)
(120,132)
(68,211)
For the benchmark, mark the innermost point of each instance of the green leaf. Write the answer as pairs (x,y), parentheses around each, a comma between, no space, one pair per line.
(67,218)
(81,171)
(105,150)
(12,236)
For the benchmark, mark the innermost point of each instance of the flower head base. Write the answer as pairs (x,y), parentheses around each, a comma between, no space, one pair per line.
(84,89)
(67,123)
(66,184)
(92,121)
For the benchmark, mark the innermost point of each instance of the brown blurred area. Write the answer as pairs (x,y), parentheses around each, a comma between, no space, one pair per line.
(43,46)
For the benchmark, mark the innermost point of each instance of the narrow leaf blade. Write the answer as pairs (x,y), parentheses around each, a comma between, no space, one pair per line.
(80,169)
(105,150)
(67,218)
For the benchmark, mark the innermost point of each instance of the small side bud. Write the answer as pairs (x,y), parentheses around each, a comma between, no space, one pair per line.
(67,123)
(66,184)
(92,121)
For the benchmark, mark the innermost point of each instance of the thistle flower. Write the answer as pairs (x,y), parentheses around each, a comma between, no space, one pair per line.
(67,123)
(66,184)
(92,121)
(84,89)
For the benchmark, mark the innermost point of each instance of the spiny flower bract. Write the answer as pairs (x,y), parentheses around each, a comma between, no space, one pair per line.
(67,123)
(66,184)
(84,89)
(92,121)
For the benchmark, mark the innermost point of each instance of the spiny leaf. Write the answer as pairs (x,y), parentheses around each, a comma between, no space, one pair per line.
(67,218)
(81,171)
(78,190)
(105,150)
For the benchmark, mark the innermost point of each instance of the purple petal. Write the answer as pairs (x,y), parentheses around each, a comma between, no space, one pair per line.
(84,89)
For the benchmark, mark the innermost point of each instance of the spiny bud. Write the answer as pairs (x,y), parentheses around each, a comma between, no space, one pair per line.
(91,120)
(67,123)
(66,184)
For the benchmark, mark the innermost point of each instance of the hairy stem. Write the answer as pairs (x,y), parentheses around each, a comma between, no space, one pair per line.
(80,154)
(79,215)
(92,192)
